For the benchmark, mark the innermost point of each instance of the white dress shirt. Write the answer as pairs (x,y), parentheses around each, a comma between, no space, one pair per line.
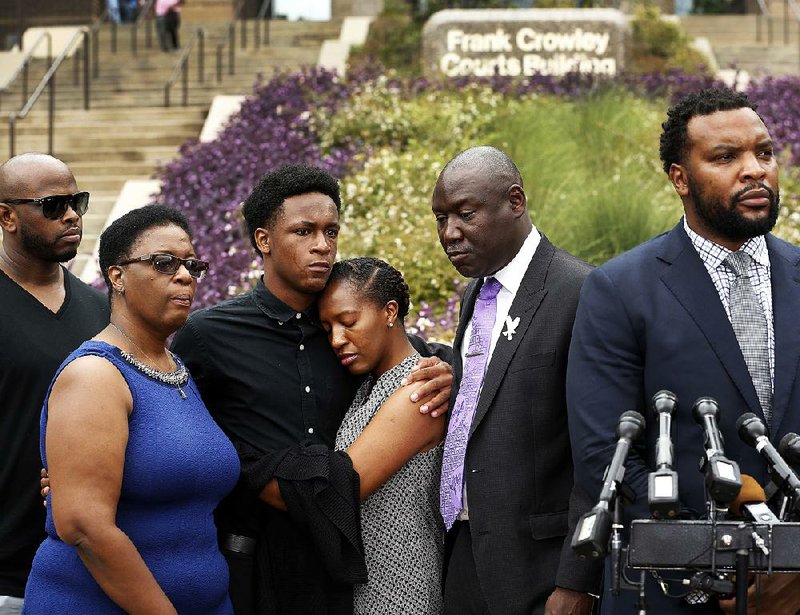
(510,277)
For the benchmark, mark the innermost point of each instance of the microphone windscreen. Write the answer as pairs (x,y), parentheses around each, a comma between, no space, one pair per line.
(751,492)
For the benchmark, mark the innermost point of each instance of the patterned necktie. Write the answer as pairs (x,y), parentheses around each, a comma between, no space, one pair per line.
(750,326)
(455,446)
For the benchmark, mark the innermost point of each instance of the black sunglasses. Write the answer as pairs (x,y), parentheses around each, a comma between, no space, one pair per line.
(54,207)
(169,263)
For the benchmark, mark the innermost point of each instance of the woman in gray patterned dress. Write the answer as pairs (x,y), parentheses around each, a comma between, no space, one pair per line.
(362,308)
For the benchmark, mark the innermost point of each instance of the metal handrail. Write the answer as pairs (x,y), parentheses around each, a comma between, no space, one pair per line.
(80,39)
(266,6)
(182,66)
(796,13)
(94,32)
(26,59)
(231,41)
(764,14)
(143,15)
(230,36)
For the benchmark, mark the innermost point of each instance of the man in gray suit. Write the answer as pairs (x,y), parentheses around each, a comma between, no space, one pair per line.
(507,492)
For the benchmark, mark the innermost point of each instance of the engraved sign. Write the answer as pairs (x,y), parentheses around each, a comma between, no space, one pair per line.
(524,42)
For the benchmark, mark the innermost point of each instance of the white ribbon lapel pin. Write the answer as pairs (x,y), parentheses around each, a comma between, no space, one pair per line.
(511,327)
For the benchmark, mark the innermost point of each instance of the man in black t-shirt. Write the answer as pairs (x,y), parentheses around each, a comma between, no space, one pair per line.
(45,313)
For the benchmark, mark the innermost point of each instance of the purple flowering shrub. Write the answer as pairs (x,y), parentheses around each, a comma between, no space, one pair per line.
(778,101)
(386,138)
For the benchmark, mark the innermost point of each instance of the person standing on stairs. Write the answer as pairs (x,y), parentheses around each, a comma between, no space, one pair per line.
(168,22)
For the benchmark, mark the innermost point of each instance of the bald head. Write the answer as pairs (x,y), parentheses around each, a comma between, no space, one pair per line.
(27,233)
(485,160)
(481,211)
(23,174)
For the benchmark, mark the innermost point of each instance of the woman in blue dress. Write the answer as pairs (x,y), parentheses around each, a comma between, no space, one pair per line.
(136,463)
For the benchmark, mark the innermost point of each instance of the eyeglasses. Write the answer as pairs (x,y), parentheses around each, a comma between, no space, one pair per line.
(169,263)
(54,207)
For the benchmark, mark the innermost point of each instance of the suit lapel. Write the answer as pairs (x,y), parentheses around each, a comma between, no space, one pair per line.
(688,280)
(785,280)
(526,302)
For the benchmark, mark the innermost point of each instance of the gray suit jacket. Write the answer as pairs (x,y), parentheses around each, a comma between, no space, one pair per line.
(518,468)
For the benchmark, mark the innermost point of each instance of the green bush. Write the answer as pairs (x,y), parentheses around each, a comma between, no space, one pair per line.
(413,136)
(660,45)
(394,40)
(388,215)
(385,113)
(788,226)
(590,166)
(593,180)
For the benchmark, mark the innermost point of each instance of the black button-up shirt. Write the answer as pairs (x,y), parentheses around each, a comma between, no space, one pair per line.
(270,379)
(266,372)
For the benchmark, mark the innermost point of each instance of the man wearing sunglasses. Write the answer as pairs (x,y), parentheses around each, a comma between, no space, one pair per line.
(45,313)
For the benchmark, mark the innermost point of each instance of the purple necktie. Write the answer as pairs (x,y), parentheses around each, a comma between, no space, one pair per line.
(455,446)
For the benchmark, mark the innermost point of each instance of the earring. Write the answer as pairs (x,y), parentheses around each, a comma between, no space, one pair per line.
(119,289)
(391,324)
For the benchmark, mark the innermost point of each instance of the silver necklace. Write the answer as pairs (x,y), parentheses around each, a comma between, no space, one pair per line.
(178,377)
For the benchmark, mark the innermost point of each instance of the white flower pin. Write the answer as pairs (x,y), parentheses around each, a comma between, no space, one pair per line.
(511,327)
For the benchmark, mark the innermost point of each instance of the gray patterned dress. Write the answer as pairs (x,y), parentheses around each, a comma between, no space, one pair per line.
(400,523)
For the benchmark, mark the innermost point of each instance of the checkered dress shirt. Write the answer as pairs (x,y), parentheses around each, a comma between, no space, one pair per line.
(713,255)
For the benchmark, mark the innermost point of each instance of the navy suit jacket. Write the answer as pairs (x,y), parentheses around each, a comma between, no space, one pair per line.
(652,319)
(518,466)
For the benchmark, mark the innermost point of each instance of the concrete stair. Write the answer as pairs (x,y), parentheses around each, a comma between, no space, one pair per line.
(105,148)
(756,44)
(128,131)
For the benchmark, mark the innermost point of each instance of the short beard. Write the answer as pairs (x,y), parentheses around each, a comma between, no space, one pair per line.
(38,248)
(726,220)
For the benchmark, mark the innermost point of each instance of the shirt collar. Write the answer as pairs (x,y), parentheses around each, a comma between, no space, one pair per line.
(277,309)
(713,254)
(511,275)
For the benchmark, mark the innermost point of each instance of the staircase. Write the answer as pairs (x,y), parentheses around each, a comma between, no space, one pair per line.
(128,131)
(736,44)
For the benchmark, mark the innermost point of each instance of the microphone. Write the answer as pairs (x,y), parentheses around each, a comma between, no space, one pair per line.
(753,432)
(752,500)
(594,527)
(723,479)
(789,448)
(662,485)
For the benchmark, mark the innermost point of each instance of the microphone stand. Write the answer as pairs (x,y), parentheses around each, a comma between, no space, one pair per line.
(619,580)
(742,564)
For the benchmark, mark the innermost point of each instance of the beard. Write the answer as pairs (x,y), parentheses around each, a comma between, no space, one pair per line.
(726,220)
(46,251)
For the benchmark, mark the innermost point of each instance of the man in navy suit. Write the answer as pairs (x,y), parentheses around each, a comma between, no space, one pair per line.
(663,316)
(509,504)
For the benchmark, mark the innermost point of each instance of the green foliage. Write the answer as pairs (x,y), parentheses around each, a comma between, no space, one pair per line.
(394,40)
(591,169)
(788,226)
(593,180)
(413,136)
(661,45)
(388,215)
(384,112)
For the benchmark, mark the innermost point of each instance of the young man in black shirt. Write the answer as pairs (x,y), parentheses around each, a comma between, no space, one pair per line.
(266,372)
(45,313)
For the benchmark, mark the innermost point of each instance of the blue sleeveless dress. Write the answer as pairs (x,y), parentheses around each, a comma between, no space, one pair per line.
(178,466)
